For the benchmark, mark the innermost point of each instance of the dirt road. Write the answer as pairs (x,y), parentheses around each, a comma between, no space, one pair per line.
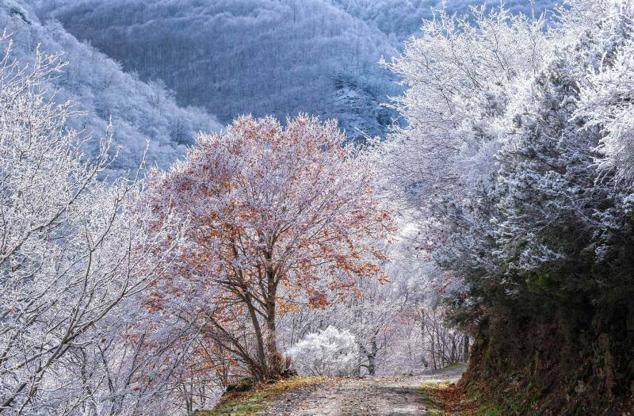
(378,396)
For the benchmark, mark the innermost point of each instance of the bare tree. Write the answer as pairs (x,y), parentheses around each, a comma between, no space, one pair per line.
(72,253)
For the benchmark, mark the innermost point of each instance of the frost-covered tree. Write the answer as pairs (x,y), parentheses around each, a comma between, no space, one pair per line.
(557,207)
(605,101)
(278,216)
(330,352)
(399,325)
(462,74)
(514,162)
(370,317)
(72,256)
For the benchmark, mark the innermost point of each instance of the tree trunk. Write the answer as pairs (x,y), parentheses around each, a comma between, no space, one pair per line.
(433,352)
(261,354)
(275,367)
(422,337)
(372,357)
(274,357)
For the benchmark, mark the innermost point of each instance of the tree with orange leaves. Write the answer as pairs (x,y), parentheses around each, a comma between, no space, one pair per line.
(275,216)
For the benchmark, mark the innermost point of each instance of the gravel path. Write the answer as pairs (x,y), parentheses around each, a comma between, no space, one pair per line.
(378,396)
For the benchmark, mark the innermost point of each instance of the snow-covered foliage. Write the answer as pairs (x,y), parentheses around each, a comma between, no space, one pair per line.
(330,352)
(512,177)
(515,166)
(605,96)
(73,254)
(516,162)
(463,76)
(142,115)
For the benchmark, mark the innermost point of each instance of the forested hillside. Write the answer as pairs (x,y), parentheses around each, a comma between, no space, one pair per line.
(261,57)
(142,114)
(247,56)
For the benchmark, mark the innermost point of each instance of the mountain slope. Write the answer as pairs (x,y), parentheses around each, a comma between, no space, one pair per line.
(246,56)
(262,57)
(141,113)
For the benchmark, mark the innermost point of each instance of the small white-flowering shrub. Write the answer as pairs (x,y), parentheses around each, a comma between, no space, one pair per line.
(330,352)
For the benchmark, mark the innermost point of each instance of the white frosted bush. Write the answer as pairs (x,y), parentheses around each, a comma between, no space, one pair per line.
(329,352)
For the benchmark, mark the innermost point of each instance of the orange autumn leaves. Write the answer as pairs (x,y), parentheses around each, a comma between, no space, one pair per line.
(291,200)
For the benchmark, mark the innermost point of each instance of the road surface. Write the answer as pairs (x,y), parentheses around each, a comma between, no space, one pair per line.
(376,396)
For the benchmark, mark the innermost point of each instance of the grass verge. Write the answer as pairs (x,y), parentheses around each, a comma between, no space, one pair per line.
(251,402)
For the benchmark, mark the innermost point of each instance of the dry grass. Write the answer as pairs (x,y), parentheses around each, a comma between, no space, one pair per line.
(450,399)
